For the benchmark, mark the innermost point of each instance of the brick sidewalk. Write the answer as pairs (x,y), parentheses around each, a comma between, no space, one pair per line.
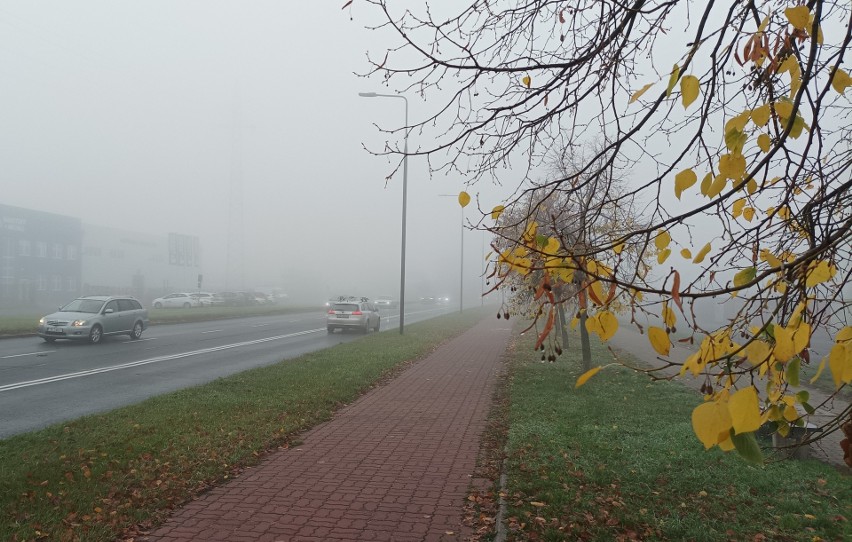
(395,465)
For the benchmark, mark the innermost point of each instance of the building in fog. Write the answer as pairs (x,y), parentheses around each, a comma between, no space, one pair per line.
(40,262)
(48,259)
(144,265)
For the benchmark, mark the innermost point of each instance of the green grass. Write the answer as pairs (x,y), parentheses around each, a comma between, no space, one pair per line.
(99,477)
(617,459)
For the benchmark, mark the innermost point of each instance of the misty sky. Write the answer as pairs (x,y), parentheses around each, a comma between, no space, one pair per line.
(135,114)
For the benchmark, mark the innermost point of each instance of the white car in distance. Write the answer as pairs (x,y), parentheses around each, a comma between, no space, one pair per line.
(176,301)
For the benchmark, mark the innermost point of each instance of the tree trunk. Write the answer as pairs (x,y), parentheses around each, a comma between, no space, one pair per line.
(584,342)
(563,326)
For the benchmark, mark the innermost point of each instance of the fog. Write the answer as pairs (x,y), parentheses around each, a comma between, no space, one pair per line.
(236,122)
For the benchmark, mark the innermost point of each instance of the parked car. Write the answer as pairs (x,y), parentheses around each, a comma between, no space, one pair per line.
(90,318)
(208,299)
(355,313)
(176,300)
(386,302)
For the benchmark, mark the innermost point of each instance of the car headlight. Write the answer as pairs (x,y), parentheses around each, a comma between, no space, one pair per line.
(41,321)
(78,323)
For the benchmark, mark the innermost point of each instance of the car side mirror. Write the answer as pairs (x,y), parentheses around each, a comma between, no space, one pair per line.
(108,311)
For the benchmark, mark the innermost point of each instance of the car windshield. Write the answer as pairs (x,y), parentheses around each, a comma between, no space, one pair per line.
(84,305)
(345,307)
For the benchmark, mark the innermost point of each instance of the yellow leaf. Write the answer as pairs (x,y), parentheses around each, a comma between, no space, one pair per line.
(574,322)
(668,315)
(819,273)
(844,335)
(820,369)
(608,325)
(662,240)
(711,423)
(732,166)
(527,81)
(757,352)
(840,363)
(769,258)
(840,80)
(744,276)
(464,199)
(744,407)
(751,186)
(689,89)
(737,207)
(659,340)
(663,256)
(748,213)
(798,16)
(685,253)
(702,253)
(586,376)
(640,92)
(496,212)
(673,79)
(760,115)
(737,123)
(784,109)
(790,341)
(618,248)
(706,182)
(764,142)
(717,187)
(684,180)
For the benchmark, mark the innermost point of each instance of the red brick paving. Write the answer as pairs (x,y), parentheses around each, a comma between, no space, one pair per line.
(395,465)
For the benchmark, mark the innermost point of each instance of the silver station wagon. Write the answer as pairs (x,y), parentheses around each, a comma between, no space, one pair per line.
(353,313)
(90,318)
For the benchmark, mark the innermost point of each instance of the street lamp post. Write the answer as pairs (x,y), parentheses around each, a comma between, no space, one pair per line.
(404,198)
(461,256)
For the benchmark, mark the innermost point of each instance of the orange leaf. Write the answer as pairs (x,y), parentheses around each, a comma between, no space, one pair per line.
(676,291)
(547,327)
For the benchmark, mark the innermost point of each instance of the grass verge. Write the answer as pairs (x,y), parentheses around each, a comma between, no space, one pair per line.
(617,460)
(107,476)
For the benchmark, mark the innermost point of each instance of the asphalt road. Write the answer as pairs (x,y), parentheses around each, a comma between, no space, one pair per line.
(42,384)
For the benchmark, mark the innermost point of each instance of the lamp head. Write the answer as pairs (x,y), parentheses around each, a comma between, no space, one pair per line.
(367,94)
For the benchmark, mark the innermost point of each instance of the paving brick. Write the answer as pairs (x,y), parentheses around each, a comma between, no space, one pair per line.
(394,465)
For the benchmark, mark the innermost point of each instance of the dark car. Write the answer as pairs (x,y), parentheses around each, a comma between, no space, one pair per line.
(90,318)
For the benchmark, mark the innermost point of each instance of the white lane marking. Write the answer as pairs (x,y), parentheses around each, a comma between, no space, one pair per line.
(131,341)
(261,325)
(90,372)
(212,331)
(30,354)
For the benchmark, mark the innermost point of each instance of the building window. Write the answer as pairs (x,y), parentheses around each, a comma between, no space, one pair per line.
(72,284)
(23,247)
(58,251)
(41,249)
(116,253)
(57,283)
(42,283)
(71,252)
(91,251)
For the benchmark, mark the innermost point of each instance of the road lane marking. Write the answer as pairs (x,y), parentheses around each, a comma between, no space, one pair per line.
(129,365)
(212,331)
(261,325)
(30,354)
(131,341)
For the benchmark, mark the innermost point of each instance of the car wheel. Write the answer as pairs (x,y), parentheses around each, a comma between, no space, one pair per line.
(186,305)
(49,339)
(158,305)
(366,328)
(136,332)
(378,324)
(330,329)
(96,335)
